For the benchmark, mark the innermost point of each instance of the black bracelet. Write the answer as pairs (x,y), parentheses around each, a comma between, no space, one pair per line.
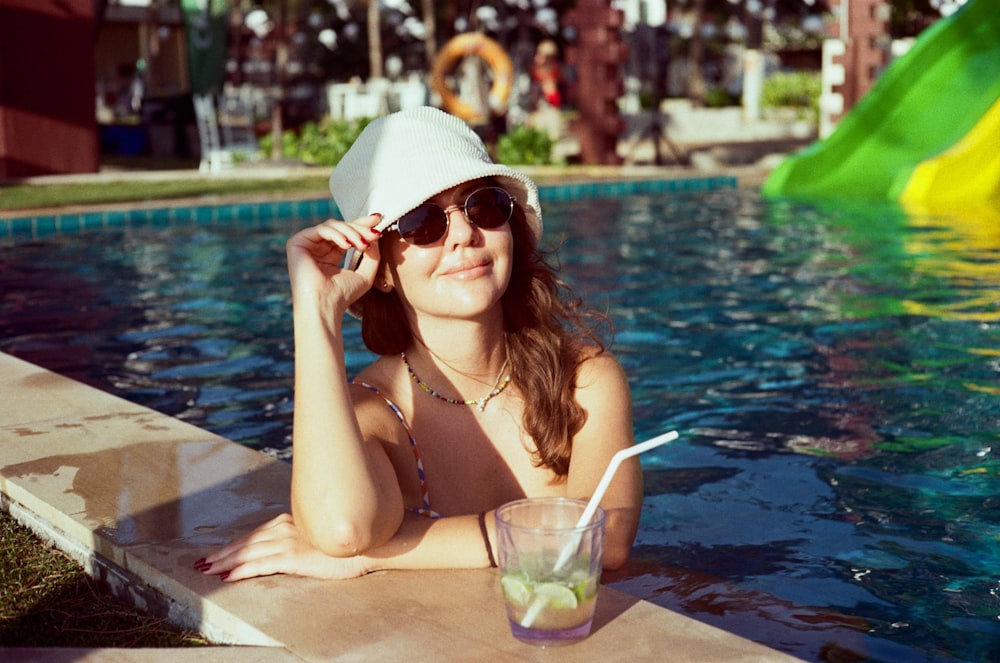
(486,539)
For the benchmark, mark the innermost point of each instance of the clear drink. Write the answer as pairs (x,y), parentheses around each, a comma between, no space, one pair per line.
(549,568)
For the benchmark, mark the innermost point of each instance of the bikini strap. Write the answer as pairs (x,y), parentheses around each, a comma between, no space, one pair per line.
(426,509)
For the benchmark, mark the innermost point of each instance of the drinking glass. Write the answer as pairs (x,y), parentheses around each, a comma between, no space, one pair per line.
(550,569)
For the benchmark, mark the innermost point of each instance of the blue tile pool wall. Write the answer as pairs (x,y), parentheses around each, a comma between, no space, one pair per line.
(46,225)
(29,227)
(633,187)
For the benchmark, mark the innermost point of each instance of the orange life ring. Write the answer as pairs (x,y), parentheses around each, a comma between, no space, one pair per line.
(464,45)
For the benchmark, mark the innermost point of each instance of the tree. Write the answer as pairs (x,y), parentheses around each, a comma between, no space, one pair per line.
(910,17)
(374,40)
(697,91)
(430,27)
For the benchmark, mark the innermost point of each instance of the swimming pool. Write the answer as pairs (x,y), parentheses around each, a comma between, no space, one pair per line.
(833,370)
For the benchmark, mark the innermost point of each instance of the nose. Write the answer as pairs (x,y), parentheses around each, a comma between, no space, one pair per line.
(456,230)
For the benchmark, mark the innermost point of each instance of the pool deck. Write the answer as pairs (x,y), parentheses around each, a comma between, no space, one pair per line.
(248,208)
(136,497)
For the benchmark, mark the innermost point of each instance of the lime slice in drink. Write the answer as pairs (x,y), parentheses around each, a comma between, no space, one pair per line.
(585,588)
(557,596)
(516,590)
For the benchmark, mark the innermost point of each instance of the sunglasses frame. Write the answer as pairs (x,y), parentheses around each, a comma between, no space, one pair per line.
(446,212)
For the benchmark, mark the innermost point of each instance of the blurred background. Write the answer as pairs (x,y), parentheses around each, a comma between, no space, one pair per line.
(217,83)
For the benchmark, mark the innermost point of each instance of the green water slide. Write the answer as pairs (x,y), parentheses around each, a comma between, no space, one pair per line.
(926,103)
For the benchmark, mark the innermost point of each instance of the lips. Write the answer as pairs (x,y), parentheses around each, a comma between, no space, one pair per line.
(468,269)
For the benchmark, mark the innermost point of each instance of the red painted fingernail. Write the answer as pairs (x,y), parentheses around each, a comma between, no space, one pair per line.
(376,231)
(224,576)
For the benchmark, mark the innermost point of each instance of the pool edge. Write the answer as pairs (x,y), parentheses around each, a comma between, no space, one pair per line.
(38,224)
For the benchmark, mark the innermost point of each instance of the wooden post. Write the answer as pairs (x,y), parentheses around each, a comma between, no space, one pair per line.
(597,55)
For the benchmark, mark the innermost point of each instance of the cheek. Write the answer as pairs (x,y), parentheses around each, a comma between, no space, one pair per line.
(406,263)
(505,254)
(505,267)
(394,252)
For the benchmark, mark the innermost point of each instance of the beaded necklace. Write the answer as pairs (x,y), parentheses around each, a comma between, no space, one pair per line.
(498,386)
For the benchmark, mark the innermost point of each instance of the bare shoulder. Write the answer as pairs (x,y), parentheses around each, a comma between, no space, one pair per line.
(599,370)
(371,392)
(602,390)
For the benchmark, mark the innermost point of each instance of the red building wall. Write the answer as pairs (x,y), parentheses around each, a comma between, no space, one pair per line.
(867,45)
(47,118)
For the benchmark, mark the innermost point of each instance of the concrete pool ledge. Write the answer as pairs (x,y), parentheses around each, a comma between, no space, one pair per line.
(136,497)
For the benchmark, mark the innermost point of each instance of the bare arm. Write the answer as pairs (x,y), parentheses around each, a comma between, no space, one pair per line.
(603,392)
(345,497)
(279,546)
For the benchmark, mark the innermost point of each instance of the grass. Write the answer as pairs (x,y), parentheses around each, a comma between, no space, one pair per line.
(184,182)
(28,196)
(47,600)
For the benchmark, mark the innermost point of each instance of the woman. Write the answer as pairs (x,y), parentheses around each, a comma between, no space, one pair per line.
(488,388)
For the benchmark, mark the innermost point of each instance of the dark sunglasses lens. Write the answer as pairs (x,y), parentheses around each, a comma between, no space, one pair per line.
(489,208)
(424,225)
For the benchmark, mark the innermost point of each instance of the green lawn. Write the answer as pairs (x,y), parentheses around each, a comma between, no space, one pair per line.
(46,600)
(28,196)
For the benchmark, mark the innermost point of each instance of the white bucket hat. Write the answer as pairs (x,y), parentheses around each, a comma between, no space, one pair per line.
(401,160)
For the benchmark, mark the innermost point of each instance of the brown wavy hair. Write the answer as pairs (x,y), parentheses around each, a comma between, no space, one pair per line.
(548,332)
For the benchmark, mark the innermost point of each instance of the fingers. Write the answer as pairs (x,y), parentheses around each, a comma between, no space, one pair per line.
(263,541)
(257,560)
(270,530)
(368,268)
(277,547)
(358,235)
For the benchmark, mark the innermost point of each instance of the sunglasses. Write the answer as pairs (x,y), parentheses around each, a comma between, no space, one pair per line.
(487,208)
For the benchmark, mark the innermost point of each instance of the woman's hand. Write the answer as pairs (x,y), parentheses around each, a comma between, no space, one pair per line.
(278,546)
(314,256)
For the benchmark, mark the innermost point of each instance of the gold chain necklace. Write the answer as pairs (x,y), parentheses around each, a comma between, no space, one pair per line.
(498,386)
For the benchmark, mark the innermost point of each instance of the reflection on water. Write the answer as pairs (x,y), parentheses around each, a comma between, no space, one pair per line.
(960,248)
(834,371)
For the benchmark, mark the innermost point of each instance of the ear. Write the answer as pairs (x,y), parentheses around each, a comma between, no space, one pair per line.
(384,278)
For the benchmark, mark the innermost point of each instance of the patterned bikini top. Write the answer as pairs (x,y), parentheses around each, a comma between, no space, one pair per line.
(426,509)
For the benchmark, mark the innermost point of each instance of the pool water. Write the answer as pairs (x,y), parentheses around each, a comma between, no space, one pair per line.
(834,372)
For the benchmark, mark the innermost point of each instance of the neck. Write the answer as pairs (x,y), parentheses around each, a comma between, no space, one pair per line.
(467,354)
(503,379)
(464,372)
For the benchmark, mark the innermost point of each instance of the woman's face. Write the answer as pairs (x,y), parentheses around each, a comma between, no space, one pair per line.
(462,275)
